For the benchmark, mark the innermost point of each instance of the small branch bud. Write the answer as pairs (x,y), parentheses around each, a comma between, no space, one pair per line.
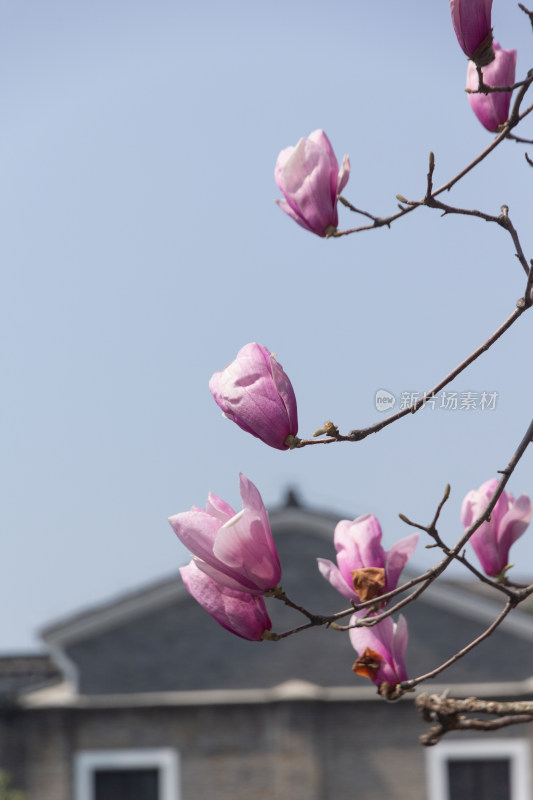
(270,636)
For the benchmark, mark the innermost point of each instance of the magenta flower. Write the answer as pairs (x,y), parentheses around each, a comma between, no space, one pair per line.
(492,110)
(309,177)
(508,521)
(472,24)
(240,613)
(255,392)
(364,569)
(381,650)
(235,550)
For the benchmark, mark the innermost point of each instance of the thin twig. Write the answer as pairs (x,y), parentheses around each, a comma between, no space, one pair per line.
(485,88)
(358,434)
(529,286)
(503,220)
(510,604)
(432,531)
(529,13)
(514,118)
(422,582)
(355,210)
(518,139)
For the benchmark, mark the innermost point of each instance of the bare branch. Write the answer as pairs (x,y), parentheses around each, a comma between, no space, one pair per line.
(407,685)
(514,118)
(358,434)
(422,582)
(449,715)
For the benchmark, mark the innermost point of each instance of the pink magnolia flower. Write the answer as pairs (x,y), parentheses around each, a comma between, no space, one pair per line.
(309,177)
(492,110)
(236,550)
(472,24)
(240,613)
(381,650)
(364,569)
(508,521)
(255,392)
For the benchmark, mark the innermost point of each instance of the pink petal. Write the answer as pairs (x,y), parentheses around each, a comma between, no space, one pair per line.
(320,138)
(344,174)
(218,508)
(358,545)
(284,205)
(286,393)
(241,546)
(241,614)
(247,392)
(366,531)
(253,502)
(197,530)
(492,110)
(471,20)
(245,543)
(289,205)
(399,648)
(232,579)
(397,558)
(308,177)
(280,166)
(513,525)
(485,548)
(378,638)
(390,641)
(333,574)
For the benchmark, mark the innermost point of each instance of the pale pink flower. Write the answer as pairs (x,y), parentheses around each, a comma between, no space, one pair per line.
(381,650)
(472,24)
(361,558)
(240,613)
(236,550)
(492,109)
(257,395)
(309,177)
(508,521)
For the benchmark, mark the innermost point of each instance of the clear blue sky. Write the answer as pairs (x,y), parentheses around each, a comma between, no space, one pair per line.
(141,248)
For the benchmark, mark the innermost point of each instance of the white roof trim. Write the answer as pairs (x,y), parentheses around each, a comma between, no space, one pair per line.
(63,695)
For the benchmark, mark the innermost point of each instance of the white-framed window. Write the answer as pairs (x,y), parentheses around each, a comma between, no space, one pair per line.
(479,769)
(143,774)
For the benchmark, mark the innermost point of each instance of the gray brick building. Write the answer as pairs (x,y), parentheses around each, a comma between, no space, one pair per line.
(145,697)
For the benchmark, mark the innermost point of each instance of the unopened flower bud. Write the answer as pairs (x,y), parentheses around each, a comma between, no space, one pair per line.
(257,395)
(309,177)
(492,109)
(471,20)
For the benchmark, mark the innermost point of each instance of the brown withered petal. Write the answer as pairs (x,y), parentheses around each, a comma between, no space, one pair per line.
(368,582)
(367,664)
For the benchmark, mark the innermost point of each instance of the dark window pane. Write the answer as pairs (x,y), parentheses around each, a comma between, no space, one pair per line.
(126,784)
(481,779)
